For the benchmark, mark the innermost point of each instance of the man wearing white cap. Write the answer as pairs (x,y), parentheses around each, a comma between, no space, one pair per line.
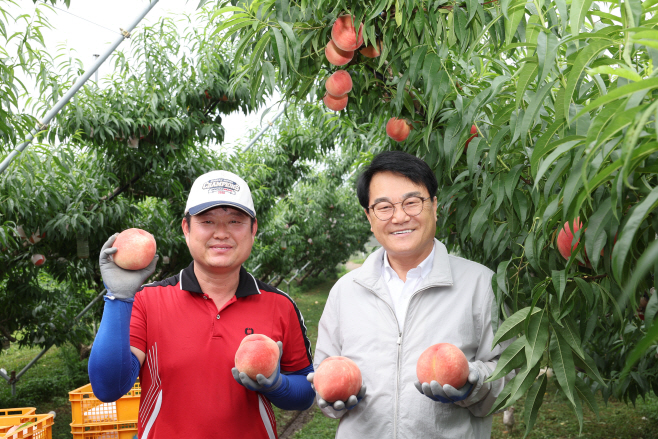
(180,335)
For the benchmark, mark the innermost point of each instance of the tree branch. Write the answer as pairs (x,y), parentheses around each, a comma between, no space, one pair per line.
(7,335)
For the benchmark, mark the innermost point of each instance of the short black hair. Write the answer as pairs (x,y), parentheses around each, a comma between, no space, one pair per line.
(188,218)
(398,162)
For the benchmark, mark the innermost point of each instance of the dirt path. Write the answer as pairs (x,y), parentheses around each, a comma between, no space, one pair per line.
(351,265)
(297,423)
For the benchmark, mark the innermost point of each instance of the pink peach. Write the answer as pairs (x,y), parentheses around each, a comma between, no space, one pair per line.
(257,354)
(337,378)
(443,363)
(136,249)
(339,83)
(372,51)
(344,35)
(336,56)
(335,103)
(398,129)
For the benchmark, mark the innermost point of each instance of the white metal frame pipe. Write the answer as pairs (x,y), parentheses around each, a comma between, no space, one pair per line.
(73,90)
(267,127)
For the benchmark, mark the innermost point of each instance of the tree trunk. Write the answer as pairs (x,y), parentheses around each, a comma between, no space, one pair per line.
(308,273)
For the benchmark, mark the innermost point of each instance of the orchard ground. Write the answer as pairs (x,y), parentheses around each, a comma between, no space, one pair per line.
(46,387)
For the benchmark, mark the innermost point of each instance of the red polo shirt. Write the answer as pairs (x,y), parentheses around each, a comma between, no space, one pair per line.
(187,386)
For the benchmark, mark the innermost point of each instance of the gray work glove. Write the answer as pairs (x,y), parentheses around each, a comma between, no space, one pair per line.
(120,283)
(339,405)
(448,394)
(262,384)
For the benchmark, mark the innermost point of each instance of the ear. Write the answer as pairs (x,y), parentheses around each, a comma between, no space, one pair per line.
(186,230)
(369,218)
(435,207)
(254,229)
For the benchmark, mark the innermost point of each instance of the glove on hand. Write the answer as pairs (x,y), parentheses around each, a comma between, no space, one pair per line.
(121,283)
(339,405)
(262,384)
(448,394)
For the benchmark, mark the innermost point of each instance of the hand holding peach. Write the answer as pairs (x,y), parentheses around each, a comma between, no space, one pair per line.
(120,283)
(257,354)
(444,374)
(338,383)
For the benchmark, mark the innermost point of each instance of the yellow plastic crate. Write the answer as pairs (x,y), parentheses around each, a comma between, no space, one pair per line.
(40,427)
(105,430)
(87,409)
(7,424)
(18,411)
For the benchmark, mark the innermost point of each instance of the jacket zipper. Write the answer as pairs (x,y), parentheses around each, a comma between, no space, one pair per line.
(397,369)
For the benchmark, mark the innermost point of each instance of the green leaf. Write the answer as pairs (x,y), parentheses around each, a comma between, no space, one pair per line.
(516,13)
(578,11)
(533,109)
(547,44)
(511,358)
(513,325)
(512,179)
(565,145)
(617,93)
(570,334)
(533,401)
(644,265)
(595,236)
(590,369)
(526,75)
(651,310)
(640,349)
(542,146)
(416,62)
(627,234)
(517,387)
(624,72)
(563,365)
(586,55)
(559,278)
(536,338)
(530,252)
(280,52)
(586,395)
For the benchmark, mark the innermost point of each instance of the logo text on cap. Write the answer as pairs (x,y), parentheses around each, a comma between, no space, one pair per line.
(221,186)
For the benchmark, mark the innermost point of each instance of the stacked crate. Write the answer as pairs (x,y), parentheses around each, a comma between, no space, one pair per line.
(94,419)
(23,423)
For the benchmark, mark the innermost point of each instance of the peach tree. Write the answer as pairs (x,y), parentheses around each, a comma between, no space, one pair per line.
(533,114)
(125,154)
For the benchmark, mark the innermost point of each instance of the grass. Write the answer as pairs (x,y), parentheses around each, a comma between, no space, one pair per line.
(46,387)
(557,420)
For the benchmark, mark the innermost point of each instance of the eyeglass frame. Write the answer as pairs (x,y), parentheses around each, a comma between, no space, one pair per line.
(401,206)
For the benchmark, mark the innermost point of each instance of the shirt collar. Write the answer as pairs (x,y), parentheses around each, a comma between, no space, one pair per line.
(425,266)
(246,285)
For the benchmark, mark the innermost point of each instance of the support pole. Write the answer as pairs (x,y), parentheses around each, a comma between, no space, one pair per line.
(14,377)
(43,124)
(267,127)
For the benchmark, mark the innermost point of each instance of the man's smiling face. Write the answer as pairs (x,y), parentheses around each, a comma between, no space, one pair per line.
(220,239)
(402,235)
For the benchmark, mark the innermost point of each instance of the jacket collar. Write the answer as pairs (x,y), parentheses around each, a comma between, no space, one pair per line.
(246,285)
(441,274)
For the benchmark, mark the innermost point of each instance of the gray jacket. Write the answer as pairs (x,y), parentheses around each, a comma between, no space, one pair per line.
(453,305)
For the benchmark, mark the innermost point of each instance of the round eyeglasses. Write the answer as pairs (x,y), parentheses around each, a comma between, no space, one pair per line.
(412,206)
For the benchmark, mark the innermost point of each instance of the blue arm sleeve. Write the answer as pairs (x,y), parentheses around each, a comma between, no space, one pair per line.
(113,369)
(295,392)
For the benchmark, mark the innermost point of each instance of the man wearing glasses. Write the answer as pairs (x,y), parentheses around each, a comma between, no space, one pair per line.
(408,295)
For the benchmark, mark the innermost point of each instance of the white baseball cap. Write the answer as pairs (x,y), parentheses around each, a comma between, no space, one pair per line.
(219,188)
